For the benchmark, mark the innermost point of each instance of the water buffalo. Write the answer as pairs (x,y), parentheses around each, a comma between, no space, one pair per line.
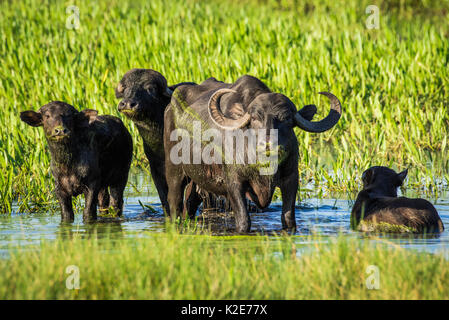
(378,207)
(89,154)
(228,108)
(144,95)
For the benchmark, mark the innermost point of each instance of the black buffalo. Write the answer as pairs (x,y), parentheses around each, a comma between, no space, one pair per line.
(246,104)
(144,95)
(378,206)
(90,155)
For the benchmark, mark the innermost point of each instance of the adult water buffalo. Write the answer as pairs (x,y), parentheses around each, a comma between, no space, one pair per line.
(237,108)
(144,95)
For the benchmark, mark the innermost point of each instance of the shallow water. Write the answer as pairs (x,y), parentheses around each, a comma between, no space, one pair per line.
(326,217)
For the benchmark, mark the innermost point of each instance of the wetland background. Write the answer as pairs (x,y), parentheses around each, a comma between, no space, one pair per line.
(393,85)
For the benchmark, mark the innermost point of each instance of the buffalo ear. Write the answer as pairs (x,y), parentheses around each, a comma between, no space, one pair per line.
(31,118)
(308,111)
(119,91)
(401,176)
(162,86)
(367,176)
(85,117)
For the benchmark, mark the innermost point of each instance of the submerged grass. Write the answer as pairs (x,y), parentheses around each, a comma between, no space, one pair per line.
(384,227)
(174,266)
(392,81)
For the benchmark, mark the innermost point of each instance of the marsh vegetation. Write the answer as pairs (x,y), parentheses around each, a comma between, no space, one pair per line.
(393,85)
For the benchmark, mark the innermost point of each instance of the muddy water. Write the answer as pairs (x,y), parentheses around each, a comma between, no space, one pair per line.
(328,217)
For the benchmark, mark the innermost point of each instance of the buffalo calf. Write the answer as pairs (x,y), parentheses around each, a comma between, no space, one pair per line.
(90,155)
(378,208)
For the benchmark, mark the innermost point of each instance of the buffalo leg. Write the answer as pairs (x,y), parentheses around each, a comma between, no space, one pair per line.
(117,198)
(161,186)
(176,187)
(289,188)
(65,202)
(91,201)
(192,201)
(238,204)
(103,199)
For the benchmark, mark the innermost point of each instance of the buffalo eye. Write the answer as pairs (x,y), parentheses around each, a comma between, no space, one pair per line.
(151,90)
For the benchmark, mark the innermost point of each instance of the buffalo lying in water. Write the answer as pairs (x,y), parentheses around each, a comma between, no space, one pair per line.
(378,207)
(229,108)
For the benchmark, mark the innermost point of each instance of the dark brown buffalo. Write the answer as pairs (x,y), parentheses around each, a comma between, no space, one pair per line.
(379,204)
(247,103)
(89,155)
(144,95)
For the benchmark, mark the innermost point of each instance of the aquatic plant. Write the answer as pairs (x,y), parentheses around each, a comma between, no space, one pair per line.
(393,81)
(191,266)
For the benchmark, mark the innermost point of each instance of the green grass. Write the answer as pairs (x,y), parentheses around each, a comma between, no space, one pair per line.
(393,82)
(174,266)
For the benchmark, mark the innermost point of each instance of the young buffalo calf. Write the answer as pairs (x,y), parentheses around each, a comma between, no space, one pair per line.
(89,153)
(378,208)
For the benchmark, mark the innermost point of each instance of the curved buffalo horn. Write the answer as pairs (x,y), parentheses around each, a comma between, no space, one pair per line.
(219,118)
(120,87)
(324,124)
(119,91)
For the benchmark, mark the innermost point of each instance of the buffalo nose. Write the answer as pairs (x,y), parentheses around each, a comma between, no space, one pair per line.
(60,131)
(127,104)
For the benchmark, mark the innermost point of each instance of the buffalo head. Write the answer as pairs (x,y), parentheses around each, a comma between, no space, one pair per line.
(59,120)
(143,93)
(383,181)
